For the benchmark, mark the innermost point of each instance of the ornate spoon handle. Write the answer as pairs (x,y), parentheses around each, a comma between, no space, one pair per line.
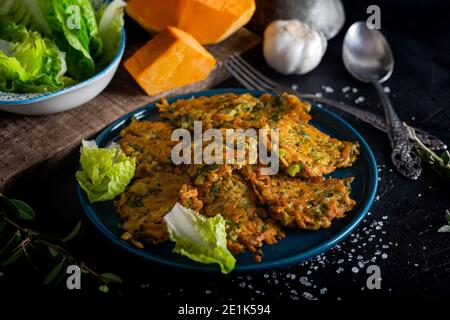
(403,157)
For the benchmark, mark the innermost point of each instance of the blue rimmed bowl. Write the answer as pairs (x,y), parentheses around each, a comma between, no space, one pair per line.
(64,99)
(298,244)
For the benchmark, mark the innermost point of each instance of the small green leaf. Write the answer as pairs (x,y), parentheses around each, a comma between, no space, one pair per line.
(446,158)
(9,206)
(103,288)
(423,154)
(73,233)
(18,235)
(33,232)
(52,251)
(54,273)
(3,225)
(25,211)
(60,279)
(440,165)
(15,256)
(111,277)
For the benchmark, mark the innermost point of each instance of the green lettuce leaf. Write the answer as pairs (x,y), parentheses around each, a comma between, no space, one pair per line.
(105,172)
(29,62)
(26,12)
(110,29)
(199,238)
(77,35)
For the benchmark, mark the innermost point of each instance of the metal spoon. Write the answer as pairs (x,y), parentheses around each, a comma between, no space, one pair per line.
(368,58)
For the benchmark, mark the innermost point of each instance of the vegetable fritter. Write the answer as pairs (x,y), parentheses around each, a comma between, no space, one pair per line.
(149,142)
(307,152)
(237,151)
(234,111)
(146,201)
(310,204)
(248,223)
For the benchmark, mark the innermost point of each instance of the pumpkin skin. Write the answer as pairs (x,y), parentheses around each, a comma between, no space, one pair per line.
(209,21)
(172,59)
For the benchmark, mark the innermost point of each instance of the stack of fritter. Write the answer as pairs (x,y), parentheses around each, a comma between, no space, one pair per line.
(254,206)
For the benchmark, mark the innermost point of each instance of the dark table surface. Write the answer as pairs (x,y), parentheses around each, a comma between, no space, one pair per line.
(400,234)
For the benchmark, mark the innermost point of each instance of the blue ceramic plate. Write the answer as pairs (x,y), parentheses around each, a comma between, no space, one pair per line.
(298,244)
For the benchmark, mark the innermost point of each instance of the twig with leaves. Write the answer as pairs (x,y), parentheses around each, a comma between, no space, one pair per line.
(18,241)
(440,164)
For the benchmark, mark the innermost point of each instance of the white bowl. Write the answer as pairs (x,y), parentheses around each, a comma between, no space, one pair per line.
(65,99)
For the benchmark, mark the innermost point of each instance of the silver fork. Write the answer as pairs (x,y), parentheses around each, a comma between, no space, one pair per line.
(252,79)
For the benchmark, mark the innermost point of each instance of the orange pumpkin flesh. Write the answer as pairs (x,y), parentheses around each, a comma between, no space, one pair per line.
(173,58)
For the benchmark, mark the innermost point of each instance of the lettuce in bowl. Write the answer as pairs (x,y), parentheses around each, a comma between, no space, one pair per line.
(105,172)
(81,38)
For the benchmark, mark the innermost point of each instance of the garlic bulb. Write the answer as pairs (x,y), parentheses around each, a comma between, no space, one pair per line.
(293,47)
(327,16)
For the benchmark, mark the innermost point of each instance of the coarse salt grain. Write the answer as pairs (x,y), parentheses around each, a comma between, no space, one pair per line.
(304,281)
(359,100)
(308,296)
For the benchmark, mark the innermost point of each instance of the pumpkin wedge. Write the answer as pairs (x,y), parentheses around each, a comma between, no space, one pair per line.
(172,59)
(209,21)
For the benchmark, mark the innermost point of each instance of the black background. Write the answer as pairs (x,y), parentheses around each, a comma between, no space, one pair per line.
(417,264)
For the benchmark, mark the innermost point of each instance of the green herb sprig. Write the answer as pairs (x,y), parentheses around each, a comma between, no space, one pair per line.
(18,241)
(440,164)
